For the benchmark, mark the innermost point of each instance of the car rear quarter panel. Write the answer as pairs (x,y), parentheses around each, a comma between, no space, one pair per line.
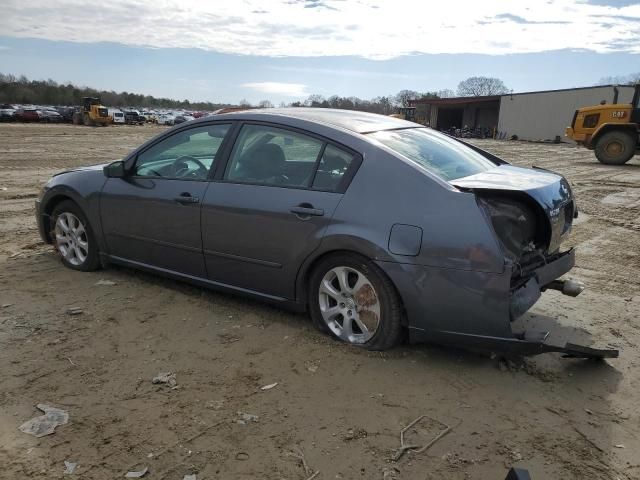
(457,281)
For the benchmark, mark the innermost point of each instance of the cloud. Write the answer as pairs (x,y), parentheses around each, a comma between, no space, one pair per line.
(4,47)
(524,21)
(279,88)
(342,72)
(375,29)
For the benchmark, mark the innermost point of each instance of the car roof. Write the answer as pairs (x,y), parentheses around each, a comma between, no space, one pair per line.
(358,122)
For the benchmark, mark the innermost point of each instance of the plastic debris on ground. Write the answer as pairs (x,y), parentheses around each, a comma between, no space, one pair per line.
(246,418)
(106,283)
(69,467)
(45,424)
(74,311)
(138,473)
(166,378)
(269,387)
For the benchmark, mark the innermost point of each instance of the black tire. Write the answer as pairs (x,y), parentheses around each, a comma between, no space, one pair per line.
(616,147)
(92,260)
(389,331)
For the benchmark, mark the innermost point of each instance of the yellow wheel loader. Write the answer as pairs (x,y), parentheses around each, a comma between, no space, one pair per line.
(611,131)
(92,113)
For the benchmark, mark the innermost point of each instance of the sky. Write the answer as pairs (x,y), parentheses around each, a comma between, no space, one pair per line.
(285,50)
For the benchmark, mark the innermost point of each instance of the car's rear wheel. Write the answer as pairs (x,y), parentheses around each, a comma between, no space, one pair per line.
(73,238)
(616,147)
(354,301)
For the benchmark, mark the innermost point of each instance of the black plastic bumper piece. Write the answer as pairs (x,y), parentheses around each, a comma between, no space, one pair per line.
(518,474)
(530,343)
(570,350)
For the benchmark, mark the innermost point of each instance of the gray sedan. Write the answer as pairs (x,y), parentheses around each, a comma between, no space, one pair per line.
(380,228)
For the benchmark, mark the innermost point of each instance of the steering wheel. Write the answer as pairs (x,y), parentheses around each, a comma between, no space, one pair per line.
(181,167)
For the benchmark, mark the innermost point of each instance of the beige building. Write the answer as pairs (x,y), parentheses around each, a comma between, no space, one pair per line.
(536,116)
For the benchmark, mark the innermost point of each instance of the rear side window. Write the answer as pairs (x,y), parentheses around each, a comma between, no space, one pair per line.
(333,165)
(439,154)
(273,156)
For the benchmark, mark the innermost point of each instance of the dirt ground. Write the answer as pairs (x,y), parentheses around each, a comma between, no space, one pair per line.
(338,407)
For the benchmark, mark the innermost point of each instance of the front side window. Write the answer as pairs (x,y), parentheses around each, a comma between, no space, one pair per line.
(273,156)
(443,156)
(189,154)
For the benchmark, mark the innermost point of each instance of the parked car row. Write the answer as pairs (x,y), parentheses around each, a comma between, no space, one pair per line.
(120,116)
(8,114)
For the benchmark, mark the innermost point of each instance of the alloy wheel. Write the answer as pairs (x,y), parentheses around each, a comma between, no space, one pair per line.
(349,304)
(71,238)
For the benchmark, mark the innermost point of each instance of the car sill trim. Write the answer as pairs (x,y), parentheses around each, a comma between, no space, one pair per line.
(192,279)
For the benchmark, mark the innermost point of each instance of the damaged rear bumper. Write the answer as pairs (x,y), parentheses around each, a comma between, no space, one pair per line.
(474,310)
(537,280)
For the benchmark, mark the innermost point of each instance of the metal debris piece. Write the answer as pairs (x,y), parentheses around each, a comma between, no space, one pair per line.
(242,456)
(74,311)
(138,474)
(620,446)
(269,387)
(190,477)
(417,448)
(106,283)
(7,305)
(167,378)
(69,467)
(45,424)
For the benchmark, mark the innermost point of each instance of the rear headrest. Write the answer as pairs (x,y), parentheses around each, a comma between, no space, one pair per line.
(332,162)
(265,160)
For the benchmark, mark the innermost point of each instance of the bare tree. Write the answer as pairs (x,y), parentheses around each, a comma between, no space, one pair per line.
(630,79)
(481,86)
(315,100)
(446,93)
(265,104)
(403,96)
(244,103)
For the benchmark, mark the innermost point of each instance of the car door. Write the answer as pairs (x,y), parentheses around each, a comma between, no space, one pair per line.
(271,207)
(152,215)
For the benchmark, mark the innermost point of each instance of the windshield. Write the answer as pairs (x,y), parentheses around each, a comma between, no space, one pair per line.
(441,155)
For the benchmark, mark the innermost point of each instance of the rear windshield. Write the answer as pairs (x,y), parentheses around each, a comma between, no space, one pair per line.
(441,155)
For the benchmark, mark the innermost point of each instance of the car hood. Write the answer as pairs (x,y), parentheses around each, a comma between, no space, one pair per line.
(88,168)
(550,191)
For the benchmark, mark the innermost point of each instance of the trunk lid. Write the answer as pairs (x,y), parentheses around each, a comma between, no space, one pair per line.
(549,190)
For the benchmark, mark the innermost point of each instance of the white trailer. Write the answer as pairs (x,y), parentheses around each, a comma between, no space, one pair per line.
(117,115)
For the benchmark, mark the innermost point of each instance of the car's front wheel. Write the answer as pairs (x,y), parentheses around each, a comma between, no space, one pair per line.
(73,238)
(354,301)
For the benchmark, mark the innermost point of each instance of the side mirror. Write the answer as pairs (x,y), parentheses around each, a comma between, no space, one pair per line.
(115,170)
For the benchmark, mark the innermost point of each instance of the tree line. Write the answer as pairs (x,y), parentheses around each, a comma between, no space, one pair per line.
(21,90)
(48,92)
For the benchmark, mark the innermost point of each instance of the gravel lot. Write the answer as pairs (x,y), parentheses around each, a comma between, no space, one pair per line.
(341,407)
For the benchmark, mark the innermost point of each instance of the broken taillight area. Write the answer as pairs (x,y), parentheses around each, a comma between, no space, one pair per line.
(523,233)
(519,229)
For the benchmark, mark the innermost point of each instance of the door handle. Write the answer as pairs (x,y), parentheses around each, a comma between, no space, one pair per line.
(307,210)
(186,197)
